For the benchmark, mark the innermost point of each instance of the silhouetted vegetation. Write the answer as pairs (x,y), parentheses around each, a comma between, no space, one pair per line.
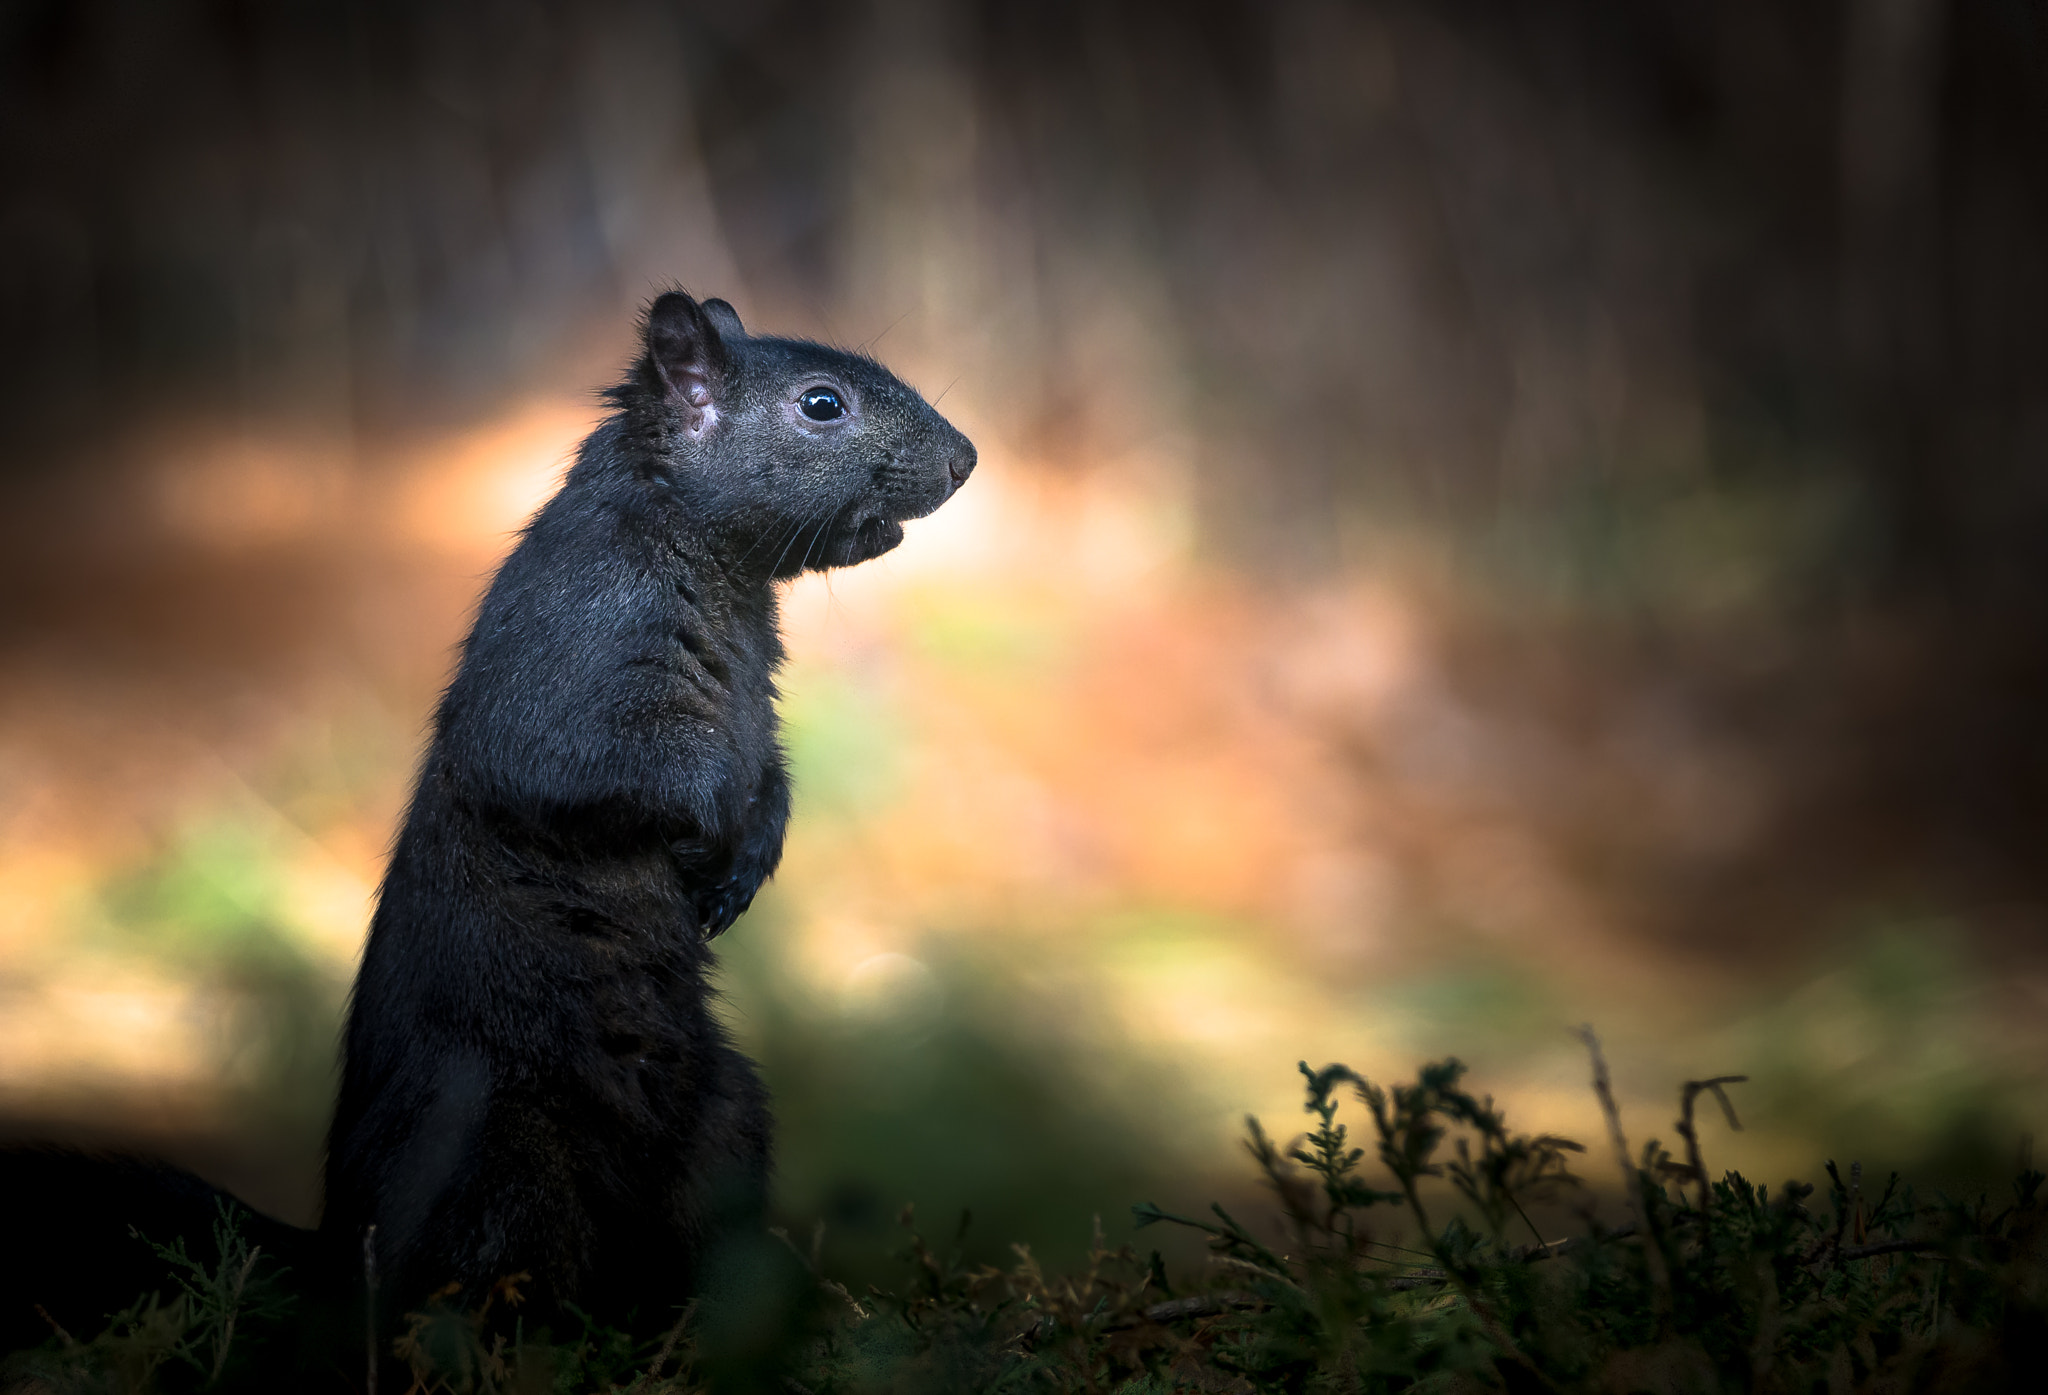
(1434,1250)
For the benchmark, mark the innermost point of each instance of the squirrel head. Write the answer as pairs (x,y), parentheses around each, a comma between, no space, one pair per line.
(794,455)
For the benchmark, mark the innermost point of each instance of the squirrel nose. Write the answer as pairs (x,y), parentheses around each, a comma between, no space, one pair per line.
(961,465)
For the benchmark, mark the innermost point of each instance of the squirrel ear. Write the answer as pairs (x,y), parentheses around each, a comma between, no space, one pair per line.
(725,319)
(687,355)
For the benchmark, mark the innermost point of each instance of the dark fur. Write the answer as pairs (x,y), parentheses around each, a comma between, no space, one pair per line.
(533,1078)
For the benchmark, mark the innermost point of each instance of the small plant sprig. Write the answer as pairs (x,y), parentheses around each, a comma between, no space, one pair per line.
(214,1299)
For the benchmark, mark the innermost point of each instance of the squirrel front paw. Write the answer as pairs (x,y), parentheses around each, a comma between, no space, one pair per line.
(726,903)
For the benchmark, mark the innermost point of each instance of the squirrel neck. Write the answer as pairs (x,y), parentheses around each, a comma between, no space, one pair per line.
(638,467)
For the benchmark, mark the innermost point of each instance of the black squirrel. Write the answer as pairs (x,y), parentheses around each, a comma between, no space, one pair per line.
(533,1080)
(533,1077)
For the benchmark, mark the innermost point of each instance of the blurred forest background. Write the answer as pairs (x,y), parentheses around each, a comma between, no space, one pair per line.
(1492,516)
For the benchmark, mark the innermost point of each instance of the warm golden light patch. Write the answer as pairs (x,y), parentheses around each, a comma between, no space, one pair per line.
(467,494)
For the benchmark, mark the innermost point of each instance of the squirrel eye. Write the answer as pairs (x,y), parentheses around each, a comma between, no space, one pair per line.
(821,404)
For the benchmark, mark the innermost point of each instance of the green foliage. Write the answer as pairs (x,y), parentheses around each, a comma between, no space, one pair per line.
(197,1341)
(1442,1281)
(453,1352)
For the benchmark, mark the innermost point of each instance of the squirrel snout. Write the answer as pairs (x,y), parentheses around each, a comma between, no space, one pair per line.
(962,464)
